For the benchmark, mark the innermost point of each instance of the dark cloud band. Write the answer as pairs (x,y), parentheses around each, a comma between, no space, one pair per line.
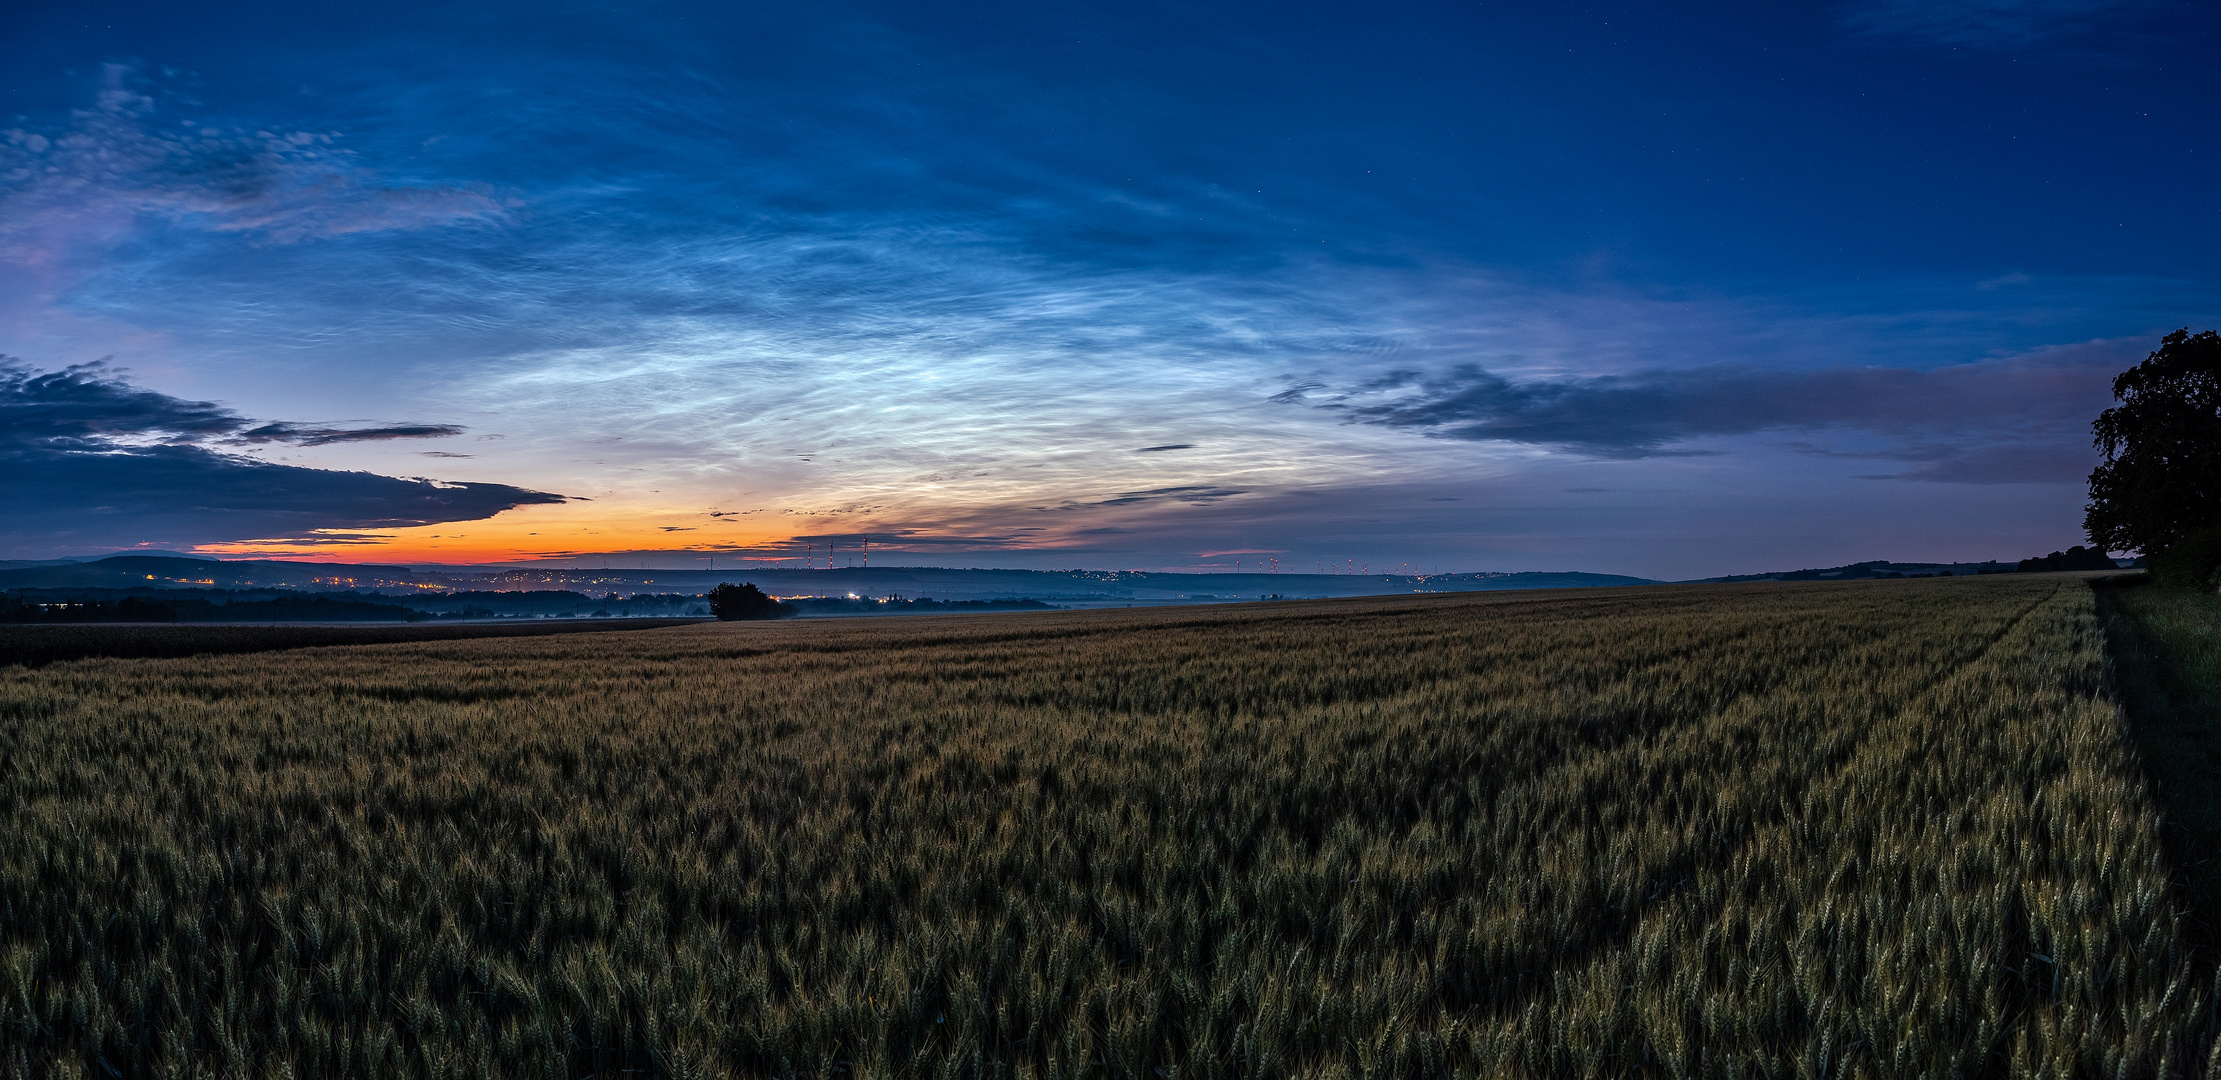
(2022,419)
(1195,495)
(88,460)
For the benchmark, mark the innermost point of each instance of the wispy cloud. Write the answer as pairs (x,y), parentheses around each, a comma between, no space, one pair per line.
(126,158)
(1991,24)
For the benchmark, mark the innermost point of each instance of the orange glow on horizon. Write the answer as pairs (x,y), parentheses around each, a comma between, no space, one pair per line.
(537,534)
(516,537)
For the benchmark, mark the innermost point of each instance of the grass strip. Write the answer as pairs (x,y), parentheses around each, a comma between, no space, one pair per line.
(2165,647)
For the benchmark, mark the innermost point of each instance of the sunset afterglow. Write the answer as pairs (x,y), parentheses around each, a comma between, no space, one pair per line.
(1625,290)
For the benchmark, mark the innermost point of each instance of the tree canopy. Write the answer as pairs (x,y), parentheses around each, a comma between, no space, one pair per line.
(2161,481)
(745,601)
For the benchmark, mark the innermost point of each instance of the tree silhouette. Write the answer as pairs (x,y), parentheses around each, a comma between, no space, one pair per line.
(744,601)
(2159,490)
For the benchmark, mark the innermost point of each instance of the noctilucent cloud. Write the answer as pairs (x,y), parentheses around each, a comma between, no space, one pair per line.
(1667,290)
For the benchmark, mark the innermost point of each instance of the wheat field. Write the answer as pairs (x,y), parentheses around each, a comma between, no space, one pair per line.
(1872,829)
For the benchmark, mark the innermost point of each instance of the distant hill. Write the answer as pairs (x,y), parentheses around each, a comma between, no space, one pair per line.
(1083,586)
(1876,568)
(26,564)
(139,572)
(2072,559)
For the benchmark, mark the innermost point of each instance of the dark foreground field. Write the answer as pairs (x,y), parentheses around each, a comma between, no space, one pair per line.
(33,645)
(1886,829)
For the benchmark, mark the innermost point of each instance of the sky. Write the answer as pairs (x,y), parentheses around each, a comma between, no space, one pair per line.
(1669,290)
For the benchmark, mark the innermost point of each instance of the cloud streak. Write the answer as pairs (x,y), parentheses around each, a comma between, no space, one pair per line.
(1194,495)
(321,436)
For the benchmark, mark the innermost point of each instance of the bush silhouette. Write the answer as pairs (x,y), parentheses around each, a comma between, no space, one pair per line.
(745,601)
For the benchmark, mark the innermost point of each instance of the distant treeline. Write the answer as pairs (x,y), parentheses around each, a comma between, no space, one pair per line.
(225,605)
(561,602)
(194,609)
(2074,558)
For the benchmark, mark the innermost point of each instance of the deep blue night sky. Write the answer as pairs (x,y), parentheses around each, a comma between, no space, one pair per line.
(1649,289)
